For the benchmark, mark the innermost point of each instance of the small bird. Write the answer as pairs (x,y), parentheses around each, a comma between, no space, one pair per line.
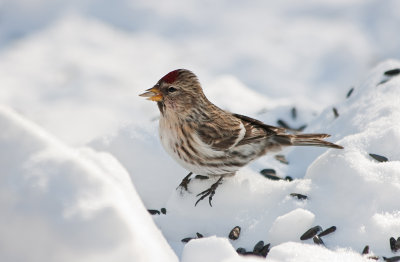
(209,141)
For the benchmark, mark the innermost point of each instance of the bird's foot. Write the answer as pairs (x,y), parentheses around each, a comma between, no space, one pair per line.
(185,182)
(210,192)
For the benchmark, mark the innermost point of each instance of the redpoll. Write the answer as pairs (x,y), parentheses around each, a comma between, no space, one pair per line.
(209,141)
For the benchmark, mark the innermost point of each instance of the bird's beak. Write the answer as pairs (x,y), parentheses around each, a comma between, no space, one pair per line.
(153,94)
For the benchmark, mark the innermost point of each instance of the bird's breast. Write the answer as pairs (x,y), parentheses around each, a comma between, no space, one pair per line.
(176,141)
(182,143)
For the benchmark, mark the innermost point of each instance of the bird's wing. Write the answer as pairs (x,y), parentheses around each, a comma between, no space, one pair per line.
(256,130)
(231,130)
(222,133)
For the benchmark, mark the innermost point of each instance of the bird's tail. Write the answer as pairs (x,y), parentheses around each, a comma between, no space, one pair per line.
(305,140)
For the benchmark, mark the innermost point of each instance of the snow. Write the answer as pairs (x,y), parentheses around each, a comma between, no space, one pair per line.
(291,251)
(290,226)
(219,249)
(63,204)
(80,157)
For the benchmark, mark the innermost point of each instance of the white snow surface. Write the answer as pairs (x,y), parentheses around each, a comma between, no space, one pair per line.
(63,204)
(80,158)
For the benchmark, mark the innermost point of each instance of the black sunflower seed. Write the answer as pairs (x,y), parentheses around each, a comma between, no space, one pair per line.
(301,128)
(373,257)
(201,177)
(391,259)
(392,72)
(397,245)
(365,250)
(257,248)
(392,242)
(199,235)
(163,210)
(379,158)
(311,233)
(268,171)
(327,231)
(235,233)
(299,196)
(293,113)
(335,112)
(317,240)
(383,81)
(282,159)
(283,124)
(270,174)
(272,177)
(241,250)
(350,92)
(186,239)
(288,178)
(153,211)
(265,250)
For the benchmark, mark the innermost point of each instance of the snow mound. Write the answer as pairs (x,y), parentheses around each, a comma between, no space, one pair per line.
(297,252)
(290,226)
(212,249)
(62,204)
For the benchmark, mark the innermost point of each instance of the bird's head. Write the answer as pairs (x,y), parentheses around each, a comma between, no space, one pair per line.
(178,90)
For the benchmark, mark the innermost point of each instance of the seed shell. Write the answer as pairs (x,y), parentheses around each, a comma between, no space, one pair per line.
(299,196)
(379,158)
(327,231)
(153,211)
(235,233)
(311,233)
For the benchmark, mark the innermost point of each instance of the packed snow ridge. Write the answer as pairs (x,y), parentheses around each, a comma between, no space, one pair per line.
(60,203)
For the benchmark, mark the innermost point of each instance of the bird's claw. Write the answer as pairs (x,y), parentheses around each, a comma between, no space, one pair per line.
(210,192)
(184,184)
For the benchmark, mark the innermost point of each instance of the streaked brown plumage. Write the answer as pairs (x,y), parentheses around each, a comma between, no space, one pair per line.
(207,140)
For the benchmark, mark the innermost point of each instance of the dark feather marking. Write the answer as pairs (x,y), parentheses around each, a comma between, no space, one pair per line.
(224,143)
(242,156)
(314,142)
(226,164)
(183,131)
(204,115)
(271,130)
(218,137)
(320,136)
(283,140)
(191,147)
(185,151)
(183,145)
(256,130)
(251,139)
(189,137)
(161,107)
(236,164)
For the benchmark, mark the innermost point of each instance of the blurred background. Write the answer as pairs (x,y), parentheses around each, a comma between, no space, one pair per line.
(76,67)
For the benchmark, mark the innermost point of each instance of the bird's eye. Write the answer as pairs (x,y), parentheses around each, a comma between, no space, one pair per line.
(171,89)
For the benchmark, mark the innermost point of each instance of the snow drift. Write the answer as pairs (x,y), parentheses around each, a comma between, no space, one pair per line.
(62,204)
